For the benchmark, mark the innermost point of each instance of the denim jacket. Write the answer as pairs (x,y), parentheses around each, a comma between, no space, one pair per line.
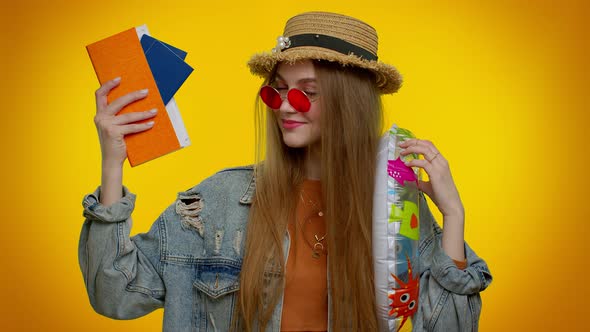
(189,261)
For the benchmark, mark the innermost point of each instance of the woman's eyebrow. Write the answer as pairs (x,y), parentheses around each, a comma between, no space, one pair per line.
(302,80)
(307,80)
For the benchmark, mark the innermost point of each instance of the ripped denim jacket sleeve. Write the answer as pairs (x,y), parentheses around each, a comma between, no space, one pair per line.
(449,297)
(122,274)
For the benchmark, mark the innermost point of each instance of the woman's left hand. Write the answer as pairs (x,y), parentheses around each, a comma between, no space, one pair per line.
(441,187)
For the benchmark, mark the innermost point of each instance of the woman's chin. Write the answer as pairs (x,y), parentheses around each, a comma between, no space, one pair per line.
(295,141)
(295,144)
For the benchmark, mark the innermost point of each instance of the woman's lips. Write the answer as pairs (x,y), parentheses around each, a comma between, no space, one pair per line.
(290,124)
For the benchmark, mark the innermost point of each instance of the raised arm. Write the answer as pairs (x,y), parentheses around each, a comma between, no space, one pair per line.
(112,129)
(449,295)
(122,275)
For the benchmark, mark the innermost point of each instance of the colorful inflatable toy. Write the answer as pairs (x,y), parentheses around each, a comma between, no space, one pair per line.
(396,233)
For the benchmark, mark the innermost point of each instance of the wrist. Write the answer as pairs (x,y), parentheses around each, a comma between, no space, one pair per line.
(112,164)
(454,219)
(457,213)
(111,181)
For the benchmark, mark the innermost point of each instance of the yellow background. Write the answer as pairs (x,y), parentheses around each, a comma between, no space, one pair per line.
(499,86)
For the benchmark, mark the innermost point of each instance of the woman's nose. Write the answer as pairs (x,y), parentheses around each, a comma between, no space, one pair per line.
(286,106)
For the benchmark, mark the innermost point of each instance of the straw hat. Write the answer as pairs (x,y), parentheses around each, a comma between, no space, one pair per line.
(331,37)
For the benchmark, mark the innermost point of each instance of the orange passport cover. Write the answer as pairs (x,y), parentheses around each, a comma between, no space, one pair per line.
(122,56)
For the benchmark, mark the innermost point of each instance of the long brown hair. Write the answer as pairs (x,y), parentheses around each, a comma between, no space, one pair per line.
(351,121)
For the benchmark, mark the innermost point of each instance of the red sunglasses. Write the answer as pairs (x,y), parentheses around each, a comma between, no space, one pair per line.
(297,98)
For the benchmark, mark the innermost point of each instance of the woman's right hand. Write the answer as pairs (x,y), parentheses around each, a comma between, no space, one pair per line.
(112,127)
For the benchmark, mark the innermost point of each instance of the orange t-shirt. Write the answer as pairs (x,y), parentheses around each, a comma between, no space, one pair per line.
(305,304)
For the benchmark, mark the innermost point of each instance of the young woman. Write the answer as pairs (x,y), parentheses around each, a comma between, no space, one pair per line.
(286,244)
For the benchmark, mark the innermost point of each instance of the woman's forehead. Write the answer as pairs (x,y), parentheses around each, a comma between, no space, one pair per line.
(298,72)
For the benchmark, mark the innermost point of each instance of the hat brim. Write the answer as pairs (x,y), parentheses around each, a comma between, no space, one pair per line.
(388,79)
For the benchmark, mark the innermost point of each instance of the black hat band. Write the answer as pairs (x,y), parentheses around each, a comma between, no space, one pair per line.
(332,43)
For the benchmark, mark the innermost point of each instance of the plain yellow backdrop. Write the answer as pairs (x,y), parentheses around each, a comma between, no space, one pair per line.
(499,86)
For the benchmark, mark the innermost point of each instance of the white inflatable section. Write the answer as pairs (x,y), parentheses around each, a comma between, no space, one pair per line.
(380,245)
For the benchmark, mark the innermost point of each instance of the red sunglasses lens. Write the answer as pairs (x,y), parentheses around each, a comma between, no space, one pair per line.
(271,97)
(298,100)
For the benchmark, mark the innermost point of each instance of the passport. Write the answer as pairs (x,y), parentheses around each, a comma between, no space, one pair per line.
(122,55)
(167,65)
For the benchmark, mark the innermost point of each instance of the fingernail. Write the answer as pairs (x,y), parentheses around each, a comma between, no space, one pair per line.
(400,143)
(155,110)
(151,123)
(116,79)
(144,91)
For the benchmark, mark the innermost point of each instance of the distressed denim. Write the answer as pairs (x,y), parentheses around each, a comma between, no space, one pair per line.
(189,261)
